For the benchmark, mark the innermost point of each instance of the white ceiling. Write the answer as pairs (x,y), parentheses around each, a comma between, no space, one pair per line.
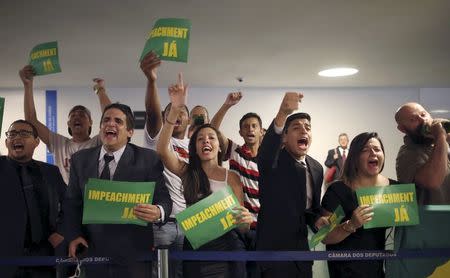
(270,43)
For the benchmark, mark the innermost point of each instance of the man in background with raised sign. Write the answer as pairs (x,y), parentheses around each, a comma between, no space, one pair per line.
(79,124)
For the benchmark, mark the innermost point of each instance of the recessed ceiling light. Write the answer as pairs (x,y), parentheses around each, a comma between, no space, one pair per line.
(337,72)
(439,111)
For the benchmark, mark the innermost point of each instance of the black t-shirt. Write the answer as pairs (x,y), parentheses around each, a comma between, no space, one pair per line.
(337,194)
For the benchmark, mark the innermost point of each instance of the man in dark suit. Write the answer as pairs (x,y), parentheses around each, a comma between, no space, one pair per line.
(127,162)
(290,183)
(32,192)
(336,157)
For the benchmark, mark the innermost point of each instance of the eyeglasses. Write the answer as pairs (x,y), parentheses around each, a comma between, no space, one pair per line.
(21,133)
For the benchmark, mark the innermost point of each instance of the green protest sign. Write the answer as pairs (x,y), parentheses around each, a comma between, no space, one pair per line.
(169,38)
(44,58)
(112,202)
(2,109)
(394,205)
(209,218)
(334,219)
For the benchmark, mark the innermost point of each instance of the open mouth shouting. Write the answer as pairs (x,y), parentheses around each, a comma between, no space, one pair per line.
(77,123)
(251,136)
(110,134)
(18,147)
(373,163)
(206,150)
(303,143)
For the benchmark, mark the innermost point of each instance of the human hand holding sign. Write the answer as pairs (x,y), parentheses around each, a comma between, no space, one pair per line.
(149,66)
(26,75)
(147,212)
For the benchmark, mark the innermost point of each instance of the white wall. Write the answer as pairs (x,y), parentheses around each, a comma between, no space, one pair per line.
(352,110)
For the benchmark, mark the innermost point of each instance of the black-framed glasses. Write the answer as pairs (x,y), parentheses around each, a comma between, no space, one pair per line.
(21,133)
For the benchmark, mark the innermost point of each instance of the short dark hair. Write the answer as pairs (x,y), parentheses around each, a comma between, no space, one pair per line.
(200,106)
(125,109)
(296,116)
(250,115)
(20,121)
(168,107)
(351,165)
(83,109)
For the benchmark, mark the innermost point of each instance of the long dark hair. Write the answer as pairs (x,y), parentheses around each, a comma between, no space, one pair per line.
(351,165)
(195,181)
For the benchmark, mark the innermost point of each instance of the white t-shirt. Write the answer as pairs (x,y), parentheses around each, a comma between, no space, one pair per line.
(63,148)
(173,182)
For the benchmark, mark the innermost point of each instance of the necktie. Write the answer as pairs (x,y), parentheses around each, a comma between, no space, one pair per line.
(105,175)
(308,185)
(344,156)
(32,205)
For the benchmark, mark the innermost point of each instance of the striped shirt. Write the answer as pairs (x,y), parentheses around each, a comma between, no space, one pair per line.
(243,164)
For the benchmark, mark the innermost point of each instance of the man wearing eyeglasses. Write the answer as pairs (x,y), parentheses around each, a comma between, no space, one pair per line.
(31,194)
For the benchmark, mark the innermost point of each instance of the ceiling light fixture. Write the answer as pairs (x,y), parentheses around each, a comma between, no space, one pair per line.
(440,111)
(338,72)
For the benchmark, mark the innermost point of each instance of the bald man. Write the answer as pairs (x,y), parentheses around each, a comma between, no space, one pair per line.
(424,157)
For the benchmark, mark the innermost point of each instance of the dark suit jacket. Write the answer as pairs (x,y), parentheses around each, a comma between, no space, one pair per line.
(330,162)
(14,210)
(136,164)
(283,215)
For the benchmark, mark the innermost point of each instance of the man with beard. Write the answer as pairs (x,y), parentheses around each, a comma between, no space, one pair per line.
(424,157)
(32,192)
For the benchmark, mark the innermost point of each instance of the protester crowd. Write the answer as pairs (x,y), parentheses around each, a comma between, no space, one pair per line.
(278,185)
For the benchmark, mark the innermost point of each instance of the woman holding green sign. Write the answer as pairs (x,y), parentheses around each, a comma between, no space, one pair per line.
(362,168)
(201,177)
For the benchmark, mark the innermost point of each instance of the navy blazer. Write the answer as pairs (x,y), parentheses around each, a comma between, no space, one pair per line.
(14,209)
(283,217)
(136,164)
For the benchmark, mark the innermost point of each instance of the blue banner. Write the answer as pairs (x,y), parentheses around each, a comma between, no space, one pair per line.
(50,117)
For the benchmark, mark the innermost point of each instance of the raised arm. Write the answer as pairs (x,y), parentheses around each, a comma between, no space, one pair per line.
(99,89)
(231,100)
(26,75)
(270,145)
(433,172)
(152,103)
(178,94)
